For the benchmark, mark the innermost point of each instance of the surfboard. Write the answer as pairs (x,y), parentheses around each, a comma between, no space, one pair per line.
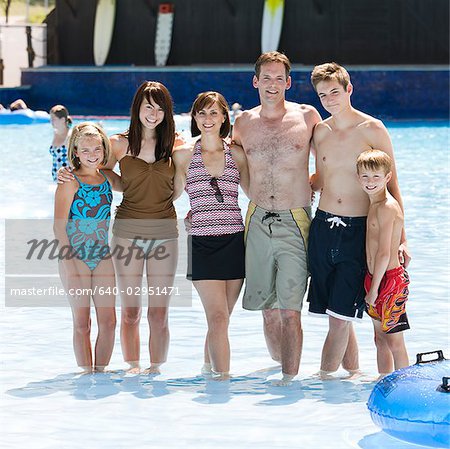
(272,23)
(103,29)
(163,38)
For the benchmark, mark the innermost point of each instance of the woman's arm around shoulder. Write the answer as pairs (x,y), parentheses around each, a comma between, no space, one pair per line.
(119,146)
(240,159)
(114,179)
(181,157)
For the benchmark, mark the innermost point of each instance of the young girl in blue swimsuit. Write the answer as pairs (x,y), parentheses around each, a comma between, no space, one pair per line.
(82,215)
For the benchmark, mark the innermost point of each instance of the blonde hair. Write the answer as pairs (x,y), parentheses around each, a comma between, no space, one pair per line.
(374,160)
(330,71)
(273,56)
(87,129)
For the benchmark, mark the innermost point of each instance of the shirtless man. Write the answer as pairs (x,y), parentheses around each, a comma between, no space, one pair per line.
(337,238)
(276,139)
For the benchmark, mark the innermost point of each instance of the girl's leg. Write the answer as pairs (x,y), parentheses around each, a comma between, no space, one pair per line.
(129,271)
(160,279)
(233,288)
(214,298)
(80,305)
(103,282)
(81,336)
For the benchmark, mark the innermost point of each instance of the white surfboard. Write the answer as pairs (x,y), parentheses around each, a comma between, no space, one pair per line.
(272,23)
(163,38)
(103,29)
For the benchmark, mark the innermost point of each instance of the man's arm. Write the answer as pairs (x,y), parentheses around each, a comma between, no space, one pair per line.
(385,218)
(381,140)
(316,179)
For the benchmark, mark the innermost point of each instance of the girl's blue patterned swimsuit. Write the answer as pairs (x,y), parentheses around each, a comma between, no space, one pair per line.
(59,155)
(88,223)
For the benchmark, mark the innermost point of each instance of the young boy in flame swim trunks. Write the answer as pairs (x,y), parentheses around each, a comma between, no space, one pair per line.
(386,282)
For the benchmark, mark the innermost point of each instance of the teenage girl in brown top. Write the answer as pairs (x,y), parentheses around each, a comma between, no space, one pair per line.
(145,219)
(146,214)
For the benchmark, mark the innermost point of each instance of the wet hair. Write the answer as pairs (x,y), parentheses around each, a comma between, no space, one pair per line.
(205,100)
(330,71)
(87,129)
(374,160)
(18,105)
(61,111)
(165,131)
(272,56)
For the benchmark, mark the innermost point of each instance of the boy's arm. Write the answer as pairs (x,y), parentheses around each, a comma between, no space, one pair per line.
(385,218)
(381,140)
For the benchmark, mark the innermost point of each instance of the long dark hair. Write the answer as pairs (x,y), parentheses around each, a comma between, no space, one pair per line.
(165,131)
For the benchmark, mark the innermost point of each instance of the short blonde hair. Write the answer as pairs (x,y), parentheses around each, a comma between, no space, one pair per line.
(374,160)
(87,129)
(330,71)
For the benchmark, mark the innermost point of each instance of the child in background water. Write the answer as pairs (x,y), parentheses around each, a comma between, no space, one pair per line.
(81,223)
(61,123)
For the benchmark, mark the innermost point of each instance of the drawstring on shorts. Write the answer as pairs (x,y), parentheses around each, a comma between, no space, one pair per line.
(336,221)
(271,215)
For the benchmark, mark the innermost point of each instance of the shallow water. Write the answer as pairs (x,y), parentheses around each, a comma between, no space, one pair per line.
(179,408)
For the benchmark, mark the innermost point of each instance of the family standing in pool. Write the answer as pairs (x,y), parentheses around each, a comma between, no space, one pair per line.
(276,249)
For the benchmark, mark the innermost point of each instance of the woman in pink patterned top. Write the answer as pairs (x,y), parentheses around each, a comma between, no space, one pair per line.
(211,172)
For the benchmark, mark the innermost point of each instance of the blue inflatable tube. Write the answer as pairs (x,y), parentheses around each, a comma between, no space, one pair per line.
(23,117)
(413,403)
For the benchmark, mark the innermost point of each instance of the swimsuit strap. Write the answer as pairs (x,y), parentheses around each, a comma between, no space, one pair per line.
(106,179)
(77,178)
(83,183)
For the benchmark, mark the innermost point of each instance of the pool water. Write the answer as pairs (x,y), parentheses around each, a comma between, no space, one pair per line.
(179,408)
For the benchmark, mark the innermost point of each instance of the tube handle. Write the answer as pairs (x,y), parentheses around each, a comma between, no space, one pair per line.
(445,387)
(420,357)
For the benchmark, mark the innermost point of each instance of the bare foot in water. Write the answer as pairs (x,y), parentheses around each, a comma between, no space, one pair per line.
(100,369)
(134,368)
(353,374)
(220,376)
(152,369)
(325,375)
(206,369)
(285,381)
